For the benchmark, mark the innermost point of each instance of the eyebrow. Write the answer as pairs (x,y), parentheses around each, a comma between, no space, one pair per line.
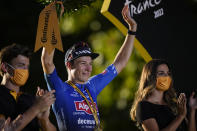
(20,63)
(81,61)
(85,61)
(23,64)
(163,72)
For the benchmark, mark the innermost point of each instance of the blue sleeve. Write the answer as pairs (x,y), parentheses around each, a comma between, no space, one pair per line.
(103,79)
(53,81)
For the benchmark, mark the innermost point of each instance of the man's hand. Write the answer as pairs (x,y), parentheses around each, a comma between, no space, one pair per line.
(44,100)
(130,21)
(45,114)
(9,125)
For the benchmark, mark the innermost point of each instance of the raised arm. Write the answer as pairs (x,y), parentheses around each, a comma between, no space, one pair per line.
(124,53)
(47,61)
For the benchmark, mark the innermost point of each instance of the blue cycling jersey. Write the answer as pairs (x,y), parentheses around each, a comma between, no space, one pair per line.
(71,110)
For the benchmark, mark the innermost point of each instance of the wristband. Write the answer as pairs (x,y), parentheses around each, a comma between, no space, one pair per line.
(131,32)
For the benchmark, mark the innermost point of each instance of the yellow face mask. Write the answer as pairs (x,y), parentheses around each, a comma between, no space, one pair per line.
(20,76)
(163,83)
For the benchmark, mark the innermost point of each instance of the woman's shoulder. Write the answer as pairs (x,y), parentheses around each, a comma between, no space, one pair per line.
(145,105)
(145,110)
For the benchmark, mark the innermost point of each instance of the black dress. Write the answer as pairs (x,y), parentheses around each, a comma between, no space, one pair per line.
(161,113)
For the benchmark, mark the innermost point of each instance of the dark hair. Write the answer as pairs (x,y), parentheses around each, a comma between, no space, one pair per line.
(8,53)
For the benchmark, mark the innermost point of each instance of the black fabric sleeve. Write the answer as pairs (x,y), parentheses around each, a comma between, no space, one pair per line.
(144,111)
(7,103)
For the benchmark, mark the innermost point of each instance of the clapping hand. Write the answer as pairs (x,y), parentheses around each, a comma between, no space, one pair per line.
(8,125)
(193,102)
(45,113)
(181,103)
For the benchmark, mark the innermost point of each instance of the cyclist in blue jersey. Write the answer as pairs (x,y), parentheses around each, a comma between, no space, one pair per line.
(75,107)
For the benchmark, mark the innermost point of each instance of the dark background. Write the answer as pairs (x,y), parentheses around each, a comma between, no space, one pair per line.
(173,39)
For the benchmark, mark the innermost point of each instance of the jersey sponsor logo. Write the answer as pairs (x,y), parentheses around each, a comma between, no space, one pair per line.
(86,121)
(83,106)
(74,94)
(78,113)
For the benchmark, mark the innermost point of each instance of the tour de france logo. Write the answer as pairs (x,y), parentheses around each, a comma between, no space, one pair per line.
(140,6)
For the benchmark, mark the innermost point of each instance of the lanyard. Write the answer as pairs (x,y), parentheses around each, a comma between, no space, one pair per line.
(93,109)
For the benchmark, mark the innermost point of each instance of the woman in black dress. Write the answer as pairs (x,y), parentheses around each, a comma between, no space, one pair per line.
(156,106)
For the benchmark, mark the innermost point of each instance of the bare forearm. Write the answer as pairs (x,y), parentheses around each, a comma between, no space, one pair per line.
(124,53)
(47,61)
(174,124)
(192,124)
(46,125)
(27,117)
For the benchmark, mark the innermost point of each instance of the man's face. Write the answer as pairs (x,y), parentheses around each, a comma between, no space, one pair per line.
(20,62)
(81,69)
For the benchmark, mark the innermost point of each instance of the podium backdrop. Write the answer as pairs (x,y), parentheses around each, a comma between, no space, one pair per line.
(166,29)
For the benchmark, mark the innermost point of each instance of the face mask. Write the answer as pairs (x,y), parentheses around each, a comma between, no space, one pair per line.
(163,83)
(20,76)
